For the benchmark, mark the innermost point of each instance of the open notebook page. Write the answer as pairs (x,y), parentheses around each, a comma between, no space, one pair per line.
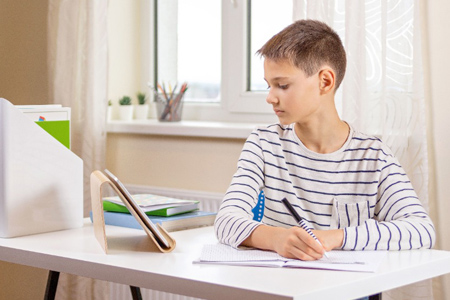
(362,261)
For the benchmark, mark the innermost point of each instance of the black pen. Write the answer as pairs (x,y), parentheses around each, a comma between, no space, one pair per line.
(300,221)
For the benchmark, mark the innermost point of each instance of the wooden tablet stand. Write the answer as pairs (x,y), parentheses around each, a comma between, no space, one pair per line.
(98,179)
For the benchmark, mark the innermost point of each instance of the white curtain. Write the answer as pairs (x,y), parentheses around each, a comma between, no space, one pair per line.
(77,58)
(382,92)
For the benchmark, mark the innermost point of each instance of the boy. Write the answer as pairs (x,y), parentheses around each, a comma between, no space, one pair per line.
(347,186)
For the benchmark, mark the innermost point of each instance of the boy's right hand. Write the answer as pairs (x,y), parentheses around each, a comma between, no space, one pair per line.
(291,242)
(295,242)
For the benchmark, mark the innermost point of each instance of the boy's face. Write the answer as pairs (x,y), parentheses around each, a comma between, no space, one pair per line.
(293,95)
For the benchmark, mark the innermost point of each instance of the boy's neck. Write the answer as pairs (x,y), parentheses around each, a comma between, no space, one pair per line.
(323,136)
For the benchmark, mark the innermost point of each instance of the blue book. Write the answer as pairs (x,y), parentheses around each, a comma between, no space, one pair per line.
(174,223)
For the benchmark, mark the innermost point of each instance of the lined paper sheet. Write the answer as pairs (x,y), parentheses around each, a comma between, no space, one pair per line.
(359,261)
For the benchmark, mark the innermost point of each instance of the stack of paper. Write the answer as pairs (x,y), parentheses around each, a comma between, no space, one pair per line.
(153,205)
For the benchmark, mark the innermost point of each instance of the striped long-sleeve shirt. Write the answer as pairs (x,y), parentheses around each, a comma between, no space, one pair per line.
(360,188)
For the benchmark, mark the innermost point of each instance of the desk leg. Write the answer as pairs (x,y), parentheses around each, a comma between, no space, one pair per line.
(52,284)
(375,297)
(135,293)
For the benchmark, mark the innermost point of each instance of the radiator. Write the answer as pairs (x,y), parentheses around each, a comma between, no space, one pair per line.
(208,202)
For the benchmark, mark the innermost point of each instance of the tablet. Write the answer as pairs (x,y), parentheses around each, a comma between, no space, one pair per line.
(136,209)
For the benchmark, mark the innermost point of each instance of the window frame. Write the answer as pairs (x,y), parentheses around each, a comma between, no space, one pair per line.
(236,103)
(234,71)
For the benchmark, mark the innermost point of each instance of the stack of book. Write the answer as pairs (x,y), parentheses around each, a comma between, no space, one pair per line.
(171,213)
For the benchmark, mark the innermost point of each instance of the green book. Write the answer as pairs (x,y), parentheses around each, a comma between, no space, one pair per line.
(152,205)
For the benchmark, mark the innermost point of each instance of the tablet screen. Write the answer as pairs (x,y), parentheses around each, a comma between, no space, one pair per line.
(139,212)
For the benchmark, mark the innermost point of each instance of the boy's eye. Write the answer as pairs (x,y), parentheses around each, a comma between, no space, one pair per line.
(280,86)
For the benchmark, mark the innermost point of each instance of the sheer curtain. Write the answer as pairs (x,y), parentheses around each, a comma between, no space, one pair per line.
(382,92)
(77,58)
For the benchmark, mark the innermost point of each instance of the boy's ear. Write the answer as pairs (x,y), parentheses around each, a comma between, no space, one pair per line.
(326,80)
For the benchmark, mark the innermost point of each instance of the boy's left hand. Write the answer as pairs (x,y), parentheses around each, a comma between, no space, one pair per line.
(330,239)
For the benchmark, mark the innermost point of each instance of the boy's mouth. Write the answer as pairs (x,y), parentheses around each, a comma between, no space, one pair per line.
(278,111)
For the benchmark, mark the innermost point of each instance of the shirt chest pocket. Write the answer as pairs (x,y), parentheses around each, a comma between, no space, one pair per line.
(349,213)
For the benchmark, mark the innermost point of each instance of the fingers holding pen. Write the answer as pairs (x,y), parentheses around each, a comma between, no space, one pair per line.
(297,243)
(305,227)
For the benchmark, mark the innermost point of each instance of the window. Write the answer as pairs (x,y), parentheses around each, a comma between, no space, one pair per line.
(211,44)
(380,38)
(260,31)
(187,50)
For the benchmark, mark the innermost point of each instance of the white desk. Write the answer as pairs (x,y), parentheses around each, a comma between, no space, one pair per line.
(78,252)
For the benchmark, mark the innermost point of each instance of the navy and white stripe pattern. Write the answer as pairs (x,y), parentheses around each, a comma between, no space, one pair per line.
(360,188)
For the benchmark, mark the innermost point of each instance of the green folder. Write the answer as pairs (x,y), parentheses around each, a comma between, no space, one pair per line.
(60,130)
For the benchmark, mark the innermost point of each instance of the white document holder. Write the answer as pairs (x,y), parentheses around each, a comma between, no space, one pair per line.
(41,181)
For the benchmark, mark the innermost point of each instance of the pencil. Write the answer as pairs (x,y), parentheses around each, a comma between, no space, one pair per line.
(172,104)
(163,91)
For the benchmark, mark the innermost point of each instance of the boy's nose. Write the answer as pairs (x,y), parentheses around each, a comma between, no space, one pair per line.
(271,99)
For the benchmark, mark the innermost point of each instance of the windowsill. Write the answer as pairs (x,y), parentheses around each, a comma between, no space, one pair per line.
(183,128)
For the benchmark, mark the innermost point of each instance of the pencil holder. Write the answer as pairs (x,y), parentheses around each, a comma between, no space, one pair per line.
(169,109)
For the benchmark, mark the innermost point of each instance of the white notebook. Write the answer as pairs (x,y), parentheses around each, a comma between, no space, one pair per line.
(357,261)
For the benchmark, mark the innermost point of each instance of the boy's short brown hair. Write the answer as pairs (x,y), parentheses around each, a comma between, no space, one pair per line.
(308,45)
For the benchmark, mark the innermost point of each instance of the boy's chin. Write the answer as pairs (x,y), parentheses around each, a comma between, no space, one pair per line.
(284,122)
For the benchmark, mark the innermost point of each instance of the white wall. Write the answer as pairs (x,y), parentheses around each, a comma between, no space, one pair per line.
(439,114)
(437,48)
(23,51)
(23,80)
(124,49)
